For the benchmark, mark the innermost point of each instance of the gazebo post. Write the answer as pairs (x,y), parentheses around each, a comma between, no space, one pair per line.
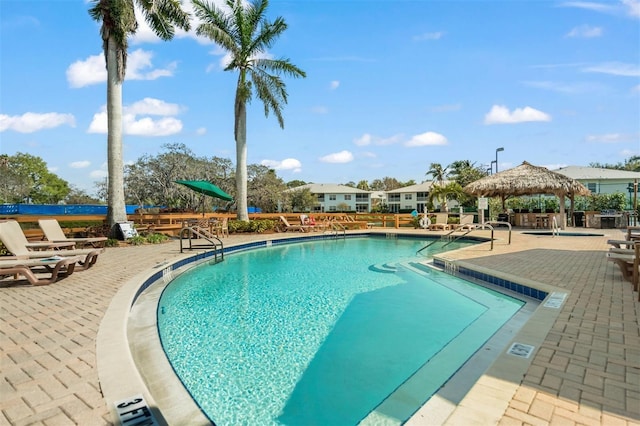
(563,216)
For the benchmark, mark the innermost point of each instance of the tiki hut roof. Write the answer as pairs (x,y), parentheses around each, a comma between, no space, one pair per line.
(526,179)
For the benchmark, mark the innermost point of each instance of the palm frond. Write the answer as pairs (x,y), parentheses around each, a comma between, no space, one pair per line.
(163,16)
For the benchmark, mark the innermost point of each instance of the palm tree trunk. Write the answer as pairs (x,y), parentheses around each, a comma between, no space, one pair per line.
(116,210)
(241,158)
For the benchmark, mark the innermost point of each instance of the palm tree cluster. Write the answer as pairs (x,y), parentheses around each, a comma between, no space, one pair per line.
(241,29)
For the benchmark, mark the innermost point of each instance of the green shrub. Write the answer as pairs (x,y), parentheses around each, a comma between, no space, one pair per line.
(111,242)
(262,225)
(238,226)
(137,240)
(156,238)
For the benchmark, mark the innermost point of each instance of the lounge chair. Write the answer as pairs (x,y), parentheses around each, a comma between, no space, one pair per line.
(53,232)
(441,222)
(628,260)
(289,227)
(56,267)
(17,244)
(466,222)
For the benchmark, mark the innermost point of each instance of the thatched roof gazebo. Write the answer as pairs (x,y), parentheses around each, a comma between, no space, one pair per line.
(527,179)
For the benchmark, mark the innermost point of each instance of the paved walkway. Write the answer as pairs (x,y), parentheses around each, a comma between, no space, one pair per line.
(586,372)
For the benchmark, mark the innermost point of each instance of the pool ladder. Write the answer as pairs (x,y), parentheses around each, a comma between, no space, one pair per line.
(196,232)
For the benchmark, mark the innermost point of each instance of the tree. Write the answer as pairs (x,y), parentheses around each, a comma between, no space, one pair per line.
(246,35)
(151,179)
(25,178)
(264,188)
(437,172)
(364,185)
(79,196)
(302,200)
(631,164)
(295,183)
(119,22)
(464,172)
(444,193)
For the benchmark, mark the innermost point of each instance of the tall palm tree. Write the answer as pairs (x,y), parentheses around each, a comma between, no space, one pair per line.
(119,22)
(437,172)
(244,32)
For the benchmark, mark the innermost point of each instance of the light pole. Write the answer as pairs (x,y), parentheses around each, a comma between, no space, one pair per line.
(497,151)
(492,163)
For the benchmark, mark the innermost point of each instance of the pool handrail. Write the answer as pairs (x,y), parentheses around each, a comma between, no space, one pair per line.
(195,231)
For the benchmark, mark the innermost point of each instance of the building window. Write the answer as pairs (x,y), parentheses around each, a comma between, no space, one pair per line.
(408,196)
(422,196)
(394,197)
(320,198)
(347,197)
(332,208)
(394,208)
(592,187)
(362,197)
(332,197)
(362,208)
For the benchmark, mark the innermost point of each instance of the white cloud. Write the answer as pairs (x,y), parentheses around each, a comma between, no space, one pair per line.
(338,157)
(320,110)
(85,73)
(201,131)
(151,106)
(334,84)
(611,137)
(635,89)
(368,139)
(597,7)
(286,164)
(98,174)
(633,7)
(585,31)
(428,36)
(145,126)
(615,68)
(80,164)
(427,139)
(30,122)
(93,69)
(623,7)
(500,114)
(363,140)
(148,127)
(564,87)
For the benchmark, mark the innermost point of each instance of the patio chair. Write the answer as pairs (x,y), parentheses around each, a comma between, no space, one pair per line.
(16,243)
(27,268)
(289,227)
(54,233)
(222,227)
(441,222)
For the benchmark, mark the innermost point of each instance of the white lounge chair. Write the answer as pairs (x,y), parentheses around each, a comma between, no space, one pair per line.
(54,233)
(17,244)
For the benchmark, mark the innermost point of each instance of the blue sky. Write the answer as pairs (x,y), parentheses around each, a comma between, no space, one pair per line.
(391,87)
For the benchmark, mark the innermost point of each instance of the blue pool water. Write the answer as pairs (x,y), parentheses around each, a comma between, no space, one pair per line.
(322,332)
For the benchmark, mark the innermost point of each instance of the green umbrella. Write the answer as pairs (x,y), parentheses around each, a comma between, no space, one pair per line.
(206,188)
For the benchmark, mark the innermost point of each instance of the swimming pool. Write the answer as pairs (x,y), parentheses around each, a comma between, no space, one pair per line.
(327,332)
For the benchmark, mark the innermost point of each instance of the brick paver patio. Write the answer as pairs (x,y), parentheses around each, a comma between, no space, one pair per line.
(586,372)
